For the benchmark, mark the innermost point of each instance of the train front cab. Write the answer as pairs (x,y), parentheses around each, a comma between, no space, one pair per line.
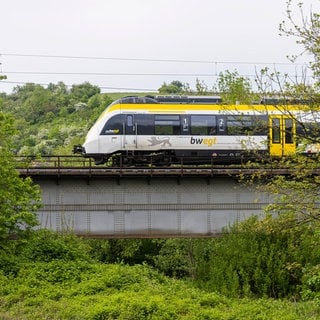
(282,132)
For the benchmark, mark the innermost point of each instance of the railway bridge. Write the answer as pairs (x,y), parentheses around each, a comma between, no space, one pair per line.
(118,202)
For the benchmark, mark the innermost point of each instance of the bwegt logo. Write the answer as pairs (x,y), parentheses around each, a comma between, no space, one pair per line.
(208,141)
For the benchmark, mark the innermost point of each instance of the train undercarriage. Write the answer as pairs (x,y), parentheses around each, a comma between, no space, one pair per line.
(172,157)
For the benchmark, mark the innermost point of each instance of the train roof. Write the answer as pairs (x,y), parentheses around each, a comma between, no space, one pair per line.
(185,99)
(189,99)
(173,99)
(187,104)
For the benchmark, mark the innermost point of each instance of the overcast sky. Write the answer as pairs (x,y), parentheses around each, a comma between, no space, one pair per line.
(122,41)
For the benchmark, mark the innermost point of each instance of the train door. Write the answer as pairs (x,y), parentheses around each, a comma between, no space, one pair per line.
(130,133)
(281,136)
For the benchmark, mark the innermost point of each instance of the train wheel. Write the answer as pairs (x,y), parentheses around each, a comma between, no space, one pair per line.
(100,160)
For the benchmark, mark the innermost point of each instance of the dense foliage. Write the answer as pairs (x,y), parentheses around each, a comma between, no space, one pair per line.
(60,277)
(77,290)
(51,120)
(19,198)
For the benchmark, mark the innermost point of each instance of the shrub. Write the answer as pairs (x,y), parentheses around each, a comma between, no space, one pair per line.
(311,283)
(46,245)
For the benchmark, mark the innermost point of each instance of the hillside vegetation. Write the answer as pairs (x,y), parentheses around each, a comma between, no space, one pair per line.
(51,120)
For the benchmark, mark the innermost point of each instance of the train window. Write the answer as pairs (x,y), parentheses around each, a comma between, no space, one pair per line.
(167,125)
(129,120)
(239,125)
(114,125)
(288,138)
(145,124)
(245,125)
(307,129)
(259,125)
(275,130)
(203,125)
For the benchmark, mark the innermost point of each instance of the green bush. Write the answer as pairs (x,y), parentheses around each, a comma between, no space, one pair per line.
(46,245)
(310,288)
(129,251)
(250,260)
(176,258)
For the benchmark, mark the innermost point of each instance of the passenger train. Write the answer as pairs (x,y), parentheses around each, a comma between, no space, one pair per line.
(192,129)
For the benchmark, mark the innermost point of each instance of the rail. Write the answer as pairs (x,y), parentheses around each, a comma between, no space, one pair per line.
(74,165)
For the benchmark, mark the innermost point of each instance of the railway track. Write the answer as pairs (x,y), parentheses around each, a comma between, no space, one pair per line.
(59,166)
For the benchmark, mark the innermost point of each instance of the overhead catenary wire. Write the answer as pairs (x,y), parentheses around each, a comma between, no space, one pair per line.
(150,59)
(210,74)
(70,85)
(126,74)
(214,72)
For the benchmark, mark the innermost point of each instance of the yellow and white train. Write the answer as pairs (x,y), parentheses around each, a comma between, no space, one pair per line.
(193,129)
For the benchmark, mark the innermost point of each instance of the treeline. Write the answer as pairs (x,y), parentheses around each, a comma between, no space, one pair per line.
(50,120)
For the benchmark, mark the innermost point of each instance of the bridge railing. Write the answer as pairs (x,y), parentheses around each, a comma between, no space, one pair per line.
(55,161)
(61,165)
(77,161)
(75,165)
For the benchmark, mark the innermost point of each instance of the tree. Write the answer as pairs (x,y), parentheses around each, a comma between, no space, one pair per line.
(305,28)
(297,198)
(201,87)
(234,88)
(306,31)
(38,104)
(175,87)
(179,88)
(83,92)
(19,198)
